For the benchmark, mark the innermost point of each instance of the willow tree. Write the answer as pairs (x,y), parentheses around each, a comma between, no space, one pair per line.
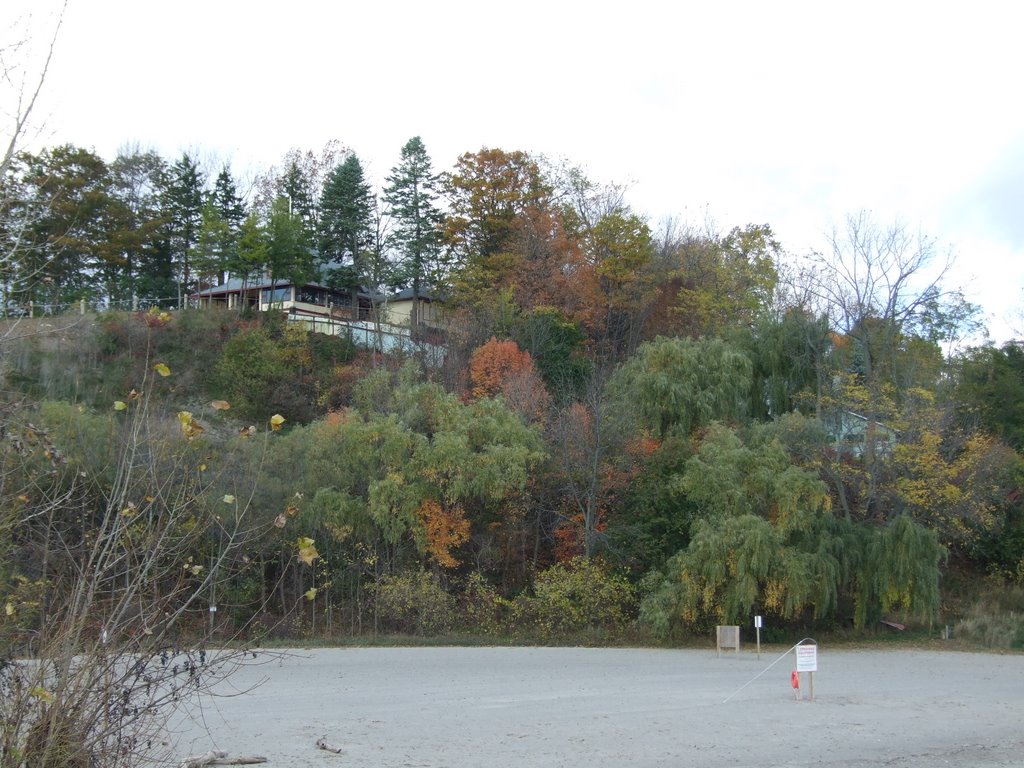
(767,540)
(678,385)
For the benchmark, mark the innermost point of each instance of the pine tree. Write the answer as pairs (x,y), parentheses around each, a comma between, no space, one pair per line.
(183,205)
(289,256)
(412,192)
(228,202)
(346,227)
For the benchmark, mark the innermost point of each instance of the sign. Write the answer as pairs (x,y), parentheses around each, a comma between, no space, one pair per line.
(807,658)
(757,622)
(213,609)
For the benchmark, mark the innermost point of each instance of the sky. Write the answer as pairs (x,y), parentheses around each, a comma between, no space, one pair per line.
(792,114)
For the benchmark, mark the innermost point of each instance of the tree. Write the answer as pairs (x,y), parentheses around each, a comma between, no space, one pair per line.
(680,385)
(989,391)
(766,541)
(412,193)
(346,233)
(138,180)
(620,249)
(228,202)
(214,249)
(22,77)
(289,255)
(183,206)
(301,180)
(75,236)
(121,535)
(252,253)
(491,193)
(502,368)
(876,281)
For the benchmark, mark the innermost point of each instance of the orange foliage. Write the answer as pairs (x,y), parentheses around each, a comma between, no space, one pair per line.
(446,529)
(568,536)
(492,363)
(502,368)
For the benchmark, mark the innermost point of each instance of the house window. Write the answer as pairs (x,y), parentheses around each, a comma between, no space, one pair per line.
(316,296)
(275,295)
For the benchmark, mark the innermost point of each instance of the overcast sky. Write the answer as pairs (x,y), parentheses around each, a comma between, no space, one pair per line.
(790,114)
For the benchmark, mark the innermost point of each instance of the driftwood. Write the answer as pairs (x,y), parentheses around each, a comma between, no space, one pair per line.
(219,757)
(322,743)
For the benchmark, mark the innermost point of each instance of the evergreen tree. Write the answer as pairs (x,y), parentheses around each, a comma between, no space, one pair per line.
(251,256)
(183,206)
(296,187)
(214,248)
(412,192)
(346,227)
(228,202)
(289,256)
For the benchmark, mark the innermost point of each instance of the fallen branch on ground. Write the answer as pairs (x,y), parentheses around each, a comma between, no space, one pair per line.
(322,743)
(220,757)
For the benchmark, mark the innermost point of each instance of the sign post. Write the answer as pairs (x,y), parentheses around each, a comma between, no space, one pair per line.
(757,628)
(807,661)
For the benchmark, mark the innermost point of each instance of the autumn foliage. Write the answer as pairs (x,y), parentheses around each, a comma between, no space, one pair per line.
(502,368)
(445,529)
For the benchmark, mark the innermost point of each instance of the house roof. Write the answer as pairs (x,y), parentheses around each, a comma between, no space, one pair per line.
(235,284)
(406,295)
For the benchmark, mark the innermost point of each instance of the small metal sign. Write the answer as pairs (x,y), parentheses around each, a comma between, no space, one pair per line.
(757,622)
(213,609)
(807,658)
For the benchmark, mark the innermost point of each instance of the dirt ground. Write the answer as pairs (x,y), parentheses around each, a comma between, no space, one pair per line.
(596,708)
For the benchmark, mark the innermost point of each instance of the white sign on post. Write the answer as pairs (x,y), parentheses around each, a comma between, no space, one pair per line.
(757,622)
(807,658)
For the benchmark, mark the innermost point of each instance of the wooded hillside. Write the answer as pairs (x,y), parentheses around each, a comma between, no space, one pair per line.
(631,430)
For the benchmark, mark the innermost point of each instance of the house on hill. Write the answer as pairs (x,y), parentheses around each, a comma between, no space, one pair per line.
(402,308)
(312,299)
(858,435)
(384,323)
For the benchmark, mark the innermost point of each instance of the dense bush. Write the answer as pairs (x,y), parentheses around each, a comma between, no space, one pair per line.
(577,595)
(414,603)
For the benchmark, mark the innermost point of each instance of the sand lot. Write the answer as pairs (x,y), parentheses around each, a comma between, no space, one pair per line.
(596,708)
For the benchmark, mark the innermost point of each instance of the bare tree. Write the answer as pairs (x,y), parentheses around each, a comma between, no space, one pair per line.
(875,280)
(22,77)
(108,574)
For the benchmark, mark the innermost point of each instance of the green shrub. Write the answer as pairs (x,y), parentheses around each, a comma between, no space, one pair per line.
(413,603)
(577,595)
(482,609)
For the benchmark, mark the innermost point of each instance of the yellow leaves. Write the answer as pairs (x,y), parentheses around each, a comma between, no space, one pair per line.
(276,421)
(130,510)
(220,405)
(228,498)
(307,552)
(41,694)
(310,593)
(247,432)
(291,510)
(9,609)
(162,369)
(121,405)
(157,318)
(446,529)
(189,426)
(280,521)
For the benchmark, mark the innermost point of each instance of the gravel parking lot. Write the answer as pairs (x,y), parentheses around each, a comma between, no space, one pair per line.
(582,707)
